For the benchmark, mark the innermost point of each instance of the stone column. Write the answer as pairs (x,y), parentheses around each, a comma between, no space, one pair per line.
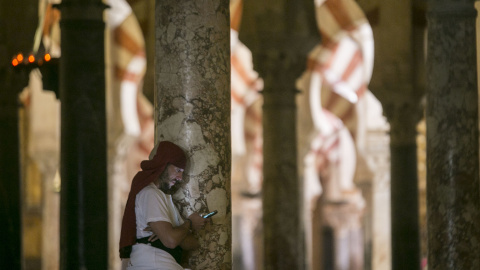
(453,201)
(395,84)
(403,117)
(83,165)
(192,109)
(280,35)
(10,182)
(16,35)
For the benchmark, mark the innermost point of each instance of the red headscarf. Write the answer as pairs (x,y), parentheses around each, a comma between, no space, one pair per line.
(167,153)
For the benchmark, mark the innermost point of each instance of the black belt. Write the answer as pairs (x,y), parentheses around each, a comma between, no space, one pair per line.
(175,252)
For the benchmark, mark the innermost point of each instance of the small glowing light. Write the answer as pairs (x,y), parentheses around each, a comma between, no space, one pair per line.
(31,59)
(19,57)
(47,57)
(15,62)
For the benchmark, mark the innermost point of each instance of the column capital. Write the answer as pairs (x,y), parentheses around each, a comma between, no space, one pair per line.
(403,116)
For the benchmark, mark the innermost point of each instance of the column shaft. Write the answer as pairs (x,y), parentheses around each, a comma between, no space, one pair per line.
(404,207)
(403,114)
(453,206)
(10,182)
(281,189)
(396,85)
(16,35)
(280,35)
(83,168)
(192,109)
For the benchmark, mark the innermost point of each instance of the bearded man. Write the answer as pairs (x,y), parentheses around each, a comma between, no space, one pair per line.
(154,234)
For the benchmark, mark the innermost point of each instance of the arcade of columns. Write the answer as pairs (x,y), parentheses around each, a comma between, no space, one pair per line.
(193,114)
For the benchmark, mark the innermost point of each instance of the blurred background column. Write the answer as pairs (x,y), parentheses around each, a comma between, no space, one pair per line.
(280,35)
(83,165)
(16,36)
(403,119)
(397,84)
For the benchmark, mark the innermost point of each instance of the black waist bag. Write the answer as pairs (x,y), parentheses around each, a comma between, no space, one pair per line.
(175,252)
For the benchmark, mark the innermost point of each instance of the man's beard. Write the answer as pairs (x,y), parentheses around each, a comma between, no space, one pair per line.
(165,184)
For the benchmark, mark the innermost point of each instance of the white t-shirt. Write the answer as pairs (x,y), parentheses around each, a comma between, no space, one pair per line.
(151,205)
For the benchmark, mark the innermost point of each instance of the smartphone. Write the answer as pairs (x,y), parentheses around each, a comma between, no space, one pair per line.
(210,214)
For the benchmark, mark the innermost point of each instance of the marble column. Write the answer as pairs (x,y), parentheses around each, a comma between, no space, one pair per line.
(192,109)
(395,84)
(10,182)
(453,201)
(403,117)
(83,157)
(15,36)
(280,35)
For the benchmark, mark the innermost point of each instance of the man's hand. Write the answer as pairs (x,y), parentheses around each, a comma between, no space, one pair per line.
(198,222)
(152,237)
(171,236)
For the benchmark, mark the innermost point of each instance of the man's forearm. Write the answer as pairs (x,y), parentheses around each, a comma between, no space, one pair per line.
(189,243)
(170,236)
